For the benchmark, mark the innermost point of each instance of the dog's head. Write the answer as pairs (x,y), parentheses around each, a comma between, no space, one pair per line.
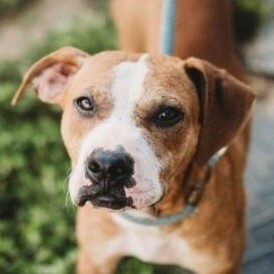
(132,123)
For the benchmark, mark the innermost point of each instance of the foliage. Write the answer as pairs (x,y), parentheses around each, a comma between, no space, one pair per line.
(87,36)
(9,71)
(35,224)
(132,266)
(8,7)
(36,221)
(248,16)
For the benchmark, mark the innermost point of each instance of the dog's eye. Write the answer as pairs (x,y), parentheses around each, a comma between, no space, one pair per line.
(167,117)
(84,105)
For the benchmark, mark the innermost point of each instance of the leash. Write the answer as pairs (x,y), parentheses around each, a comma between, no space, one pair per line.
(192,201)
(167,26)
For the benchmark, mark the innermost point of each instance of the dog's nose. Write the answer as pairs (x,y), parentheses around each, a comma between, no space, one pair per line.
(104,166)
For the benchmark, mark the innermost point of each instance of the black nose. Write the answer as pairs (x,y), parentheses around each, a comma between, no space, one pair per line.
(109,167)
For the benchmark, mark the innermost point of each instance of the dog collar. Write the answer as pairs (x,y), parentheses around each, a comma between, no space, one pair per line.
(213,160)
(162,220)
(187,210)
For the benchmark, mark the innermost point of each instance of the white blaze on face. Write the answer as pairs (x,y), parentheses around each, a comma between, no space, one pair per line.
(120,129)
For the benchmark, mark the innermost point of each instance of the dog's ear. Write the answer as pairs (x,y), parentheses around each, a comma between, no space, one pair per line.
(50,74)
(225,105)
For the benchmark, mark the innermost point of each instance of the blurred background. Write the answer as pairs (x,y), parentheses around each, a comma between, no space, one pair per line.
(36,217)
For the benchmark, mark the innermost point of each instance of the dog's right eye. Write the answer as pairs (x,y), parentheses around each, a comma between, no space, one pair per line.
(84,105)
(167,117)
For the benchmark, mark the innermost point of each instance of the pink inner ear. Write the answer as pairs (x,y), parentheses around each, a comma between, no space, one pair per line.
(51,82)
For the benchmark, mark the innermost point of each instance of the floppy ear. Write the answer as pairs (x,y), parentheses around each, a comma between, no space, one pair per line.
(225,105)
(50,74)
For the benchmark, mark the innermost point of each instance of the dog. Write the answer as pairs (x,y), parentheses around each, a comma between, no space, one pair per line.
(149,136)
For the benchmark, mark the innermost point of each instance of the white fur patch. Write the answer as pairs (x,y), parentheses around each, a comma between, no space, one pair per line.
(153,244)
(120,129)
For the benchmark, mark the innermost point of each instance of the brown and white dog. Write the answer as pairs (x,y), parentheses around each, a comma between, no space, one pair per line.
(139,130)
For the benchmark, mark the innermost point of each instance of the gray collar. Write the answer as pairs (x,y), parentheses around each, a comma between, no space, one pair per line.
(162,220)
(188,209)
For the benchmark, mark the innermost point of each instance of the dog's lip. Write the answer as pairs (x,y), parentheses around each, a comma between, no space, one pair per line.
(107,201)
(104,201)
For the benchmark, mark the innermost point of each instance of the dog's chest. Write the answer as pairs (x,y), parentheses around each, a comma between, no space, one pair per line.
(152,245)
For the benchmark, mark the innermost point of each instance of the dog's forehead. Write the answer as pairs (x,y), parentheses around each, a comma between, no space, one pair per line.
(107,67)
(102,65)
(133,76)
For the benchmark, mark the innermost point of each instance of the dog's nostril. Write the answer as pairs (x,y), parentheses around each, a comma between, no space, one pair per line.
(118,170)
(94,167)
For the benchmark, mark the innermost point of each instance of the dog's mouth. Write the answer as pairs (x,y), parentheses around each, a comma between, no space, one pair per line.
(112,200)
(108,201)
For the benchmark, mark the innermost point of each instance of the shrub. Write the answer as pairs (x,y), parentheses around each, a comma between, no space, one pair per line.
(35,225)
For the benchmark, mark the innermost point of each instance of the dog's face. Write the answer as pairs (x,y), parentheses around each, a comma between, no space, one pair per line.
(131,123)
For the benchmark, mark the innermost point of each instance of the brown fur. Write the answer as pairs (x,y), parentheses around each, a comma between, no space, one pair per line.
(215,234)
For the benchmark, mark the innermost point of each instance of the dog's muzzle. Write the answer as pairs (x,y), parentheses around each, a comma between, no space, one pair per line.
(110,172)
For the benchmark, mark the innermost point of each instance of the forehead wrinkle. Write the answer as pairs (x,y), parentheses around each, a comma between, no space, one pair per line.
(128,85)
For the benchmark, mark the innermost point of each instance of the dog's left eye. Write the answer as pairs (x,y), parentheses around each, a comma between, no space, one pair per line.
(84,105)
(168,116)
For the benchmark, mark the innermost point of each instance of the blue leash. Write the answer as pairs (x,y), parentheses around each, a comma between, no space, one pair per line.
(167,27)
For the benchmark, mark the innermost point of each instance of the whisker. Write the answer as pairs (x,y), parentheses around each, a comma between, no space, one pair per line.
(68,203)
